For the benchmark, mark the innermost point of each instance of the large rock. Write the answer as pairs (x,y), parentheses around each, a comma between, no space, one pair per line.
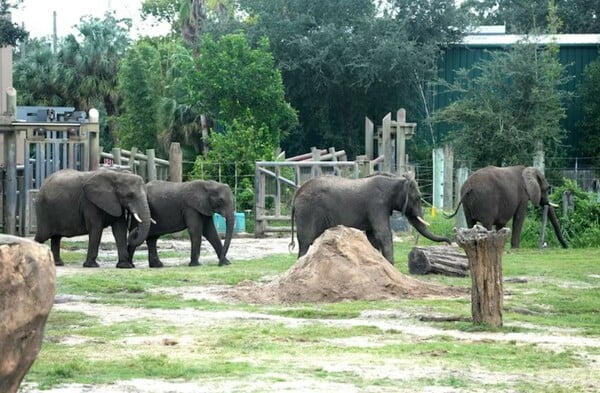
(27,289)
(341,265)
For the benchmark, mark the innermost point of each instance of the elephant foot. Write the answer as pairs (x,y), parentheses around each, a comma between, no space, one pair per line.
(194,263)
(224,262)
(90,264)
(125,265)
(59,262)
(155,263)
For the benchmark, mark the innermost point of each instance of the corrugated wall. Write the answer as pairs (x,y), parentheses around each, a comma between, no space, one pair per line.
(574,57)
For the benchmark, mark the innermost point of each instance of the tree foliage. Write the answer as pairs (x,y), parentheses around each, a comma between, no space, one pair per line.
(589,127)
(139,87)
(235,79)
(509,103)
(10,33)
(343,60)
(521,17)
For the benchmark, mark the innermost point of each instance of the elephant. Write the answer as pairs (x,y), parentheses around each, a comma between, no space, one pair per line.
(494,195)
(177,206)
(71,203)
(366,204)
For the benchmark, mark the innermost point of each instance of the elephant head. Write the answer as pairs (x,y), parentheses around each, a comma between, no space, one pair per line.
(210,197)
(408,201)
(537,188)
(116,193)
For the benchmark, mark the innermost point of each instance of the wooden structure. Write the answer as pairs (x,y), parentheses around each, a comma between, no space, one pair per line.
(391,139)
(446,260)
(484,249)
(148,166)
(277,181)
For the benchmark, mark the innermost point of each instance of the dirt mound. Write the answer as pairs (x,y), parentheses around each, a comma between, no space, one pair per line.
(340,265)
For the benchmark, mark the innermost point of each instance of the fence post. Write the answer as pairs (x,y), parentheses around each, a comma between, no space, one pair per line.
(316,156)
(132,159)
(438,179)
(462,174)
(175,163)
(116,153)
(368,138)
(386,126)
(151,164)
(448,192)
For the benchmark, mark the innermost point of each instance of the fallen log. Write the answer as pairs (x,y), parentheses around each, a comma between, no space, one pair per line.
(447,260)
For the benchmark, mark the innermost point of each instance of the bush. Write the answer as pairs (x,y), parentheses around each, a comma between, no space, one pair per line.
(581,226)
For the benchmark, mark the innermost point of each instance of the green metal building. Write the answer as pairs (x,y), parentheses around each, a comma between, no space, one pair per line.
(576,51)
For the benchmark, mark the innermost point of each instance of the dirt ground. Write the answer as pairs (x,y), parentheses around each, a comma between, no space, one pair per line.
(249,248)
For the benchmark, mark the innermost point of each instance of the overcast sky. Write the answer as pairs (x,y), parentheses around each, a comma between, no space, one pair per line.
(37,17)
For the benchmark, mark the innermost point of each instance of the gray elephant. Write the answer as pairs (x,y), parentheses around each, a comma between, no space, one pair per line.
(72,203)
(366,204)
(191,205)
(493,196)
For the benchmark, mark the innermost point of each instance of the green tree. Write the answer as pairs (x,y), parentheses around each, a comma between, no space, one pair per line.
(521,17)
(10,33)
(139,88)
(509,104)
(589,127)
(236,81)
(343,60)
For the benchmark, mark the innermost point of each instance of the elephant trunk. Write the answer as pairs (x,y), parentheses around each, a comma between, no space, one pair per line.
(229,223)
(140,232)
(556,226)
(422,229)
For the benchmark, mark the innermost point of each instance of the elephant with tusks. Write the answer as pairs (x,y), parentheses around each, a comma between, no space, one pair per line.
(365,204)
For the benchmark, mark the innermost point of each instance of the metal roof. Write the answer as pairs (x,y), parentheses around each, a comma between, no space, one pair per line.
(508,39)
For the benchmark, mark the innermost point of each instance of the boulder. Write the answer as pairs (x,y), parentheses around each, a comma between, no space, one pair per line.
(27,289)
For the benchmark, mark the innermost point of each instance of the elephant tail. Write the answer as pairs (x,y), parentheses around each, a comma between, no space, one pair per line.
(292,244)
(455,210)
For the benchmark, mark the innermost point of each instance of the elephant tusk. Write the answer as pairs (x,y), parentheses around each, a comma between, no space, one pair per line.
(137,217)
(423,221)
(554,205)
(152,220)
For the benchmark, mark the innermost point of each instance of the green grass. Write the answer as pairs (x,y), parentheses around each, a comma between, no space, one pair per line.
(561,292)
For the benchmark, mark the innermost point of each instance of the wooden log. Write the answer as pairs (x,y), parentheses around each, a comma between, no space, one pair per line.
(484,250)
(447,260)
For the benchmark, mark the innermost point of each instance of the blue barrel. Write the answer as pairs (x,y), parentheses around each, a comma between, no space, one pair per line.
(239,226)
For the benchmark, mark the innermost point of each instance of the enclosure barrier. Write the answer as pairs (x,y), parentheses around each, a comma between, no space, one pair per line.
(276,182)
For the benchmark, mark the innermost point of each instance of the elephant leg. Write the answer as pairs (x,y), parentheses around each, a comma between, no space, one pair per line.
(517,226)
(55,248)
(153,260)
(195,229)
(119,230)
(373,240)
(95,234)
(384,238)
(211,234)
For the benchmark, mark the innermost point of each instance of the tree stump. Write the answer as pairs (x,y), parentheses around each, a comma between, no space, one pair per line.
(447,260)
(484,250)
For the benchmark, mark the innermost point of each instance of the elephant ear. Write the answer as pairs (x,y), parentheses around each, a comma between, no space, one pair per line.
(532,177)
(100,190)
(205,199)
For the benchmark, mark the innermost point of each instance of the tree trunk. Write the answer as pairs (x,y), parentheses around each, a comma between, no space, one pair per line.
(447,260)
(484,250)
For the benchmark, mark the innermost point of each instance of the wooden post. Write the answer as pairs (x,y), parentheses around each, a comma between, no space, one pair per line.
(448,203)
(116,153)
(10,182)
(132,155)
(386,126)
(368,138)
(175,163)
(438,178)
(151,164)
(462,174)
(316,156)
(484,250)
